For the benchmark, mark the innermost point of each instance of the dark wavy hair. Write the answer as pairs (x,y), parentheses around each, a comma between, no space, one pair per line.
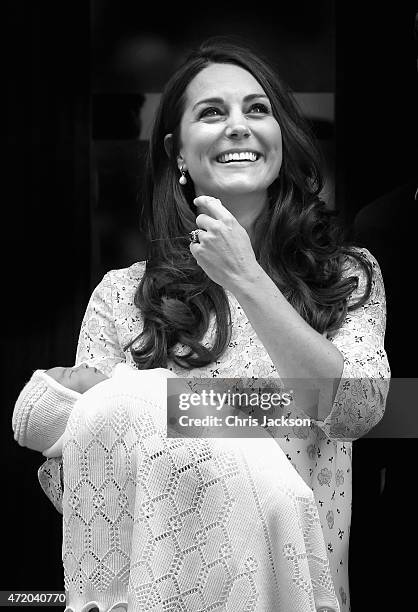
(297,241)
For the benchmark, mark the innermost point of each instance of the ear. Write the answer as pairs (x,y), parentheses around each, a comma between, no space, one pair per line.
(168,145)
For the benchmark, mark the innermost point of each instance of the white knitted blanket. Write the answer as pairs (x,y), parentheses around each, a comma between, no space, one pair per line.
(193,525)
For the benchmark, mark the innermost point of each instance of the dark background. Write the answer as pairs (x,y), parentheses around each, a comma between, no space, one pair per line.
(75,76)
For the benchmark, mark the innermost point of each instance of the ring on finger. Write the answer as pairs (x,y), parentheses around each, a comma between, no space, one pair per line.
(194,235)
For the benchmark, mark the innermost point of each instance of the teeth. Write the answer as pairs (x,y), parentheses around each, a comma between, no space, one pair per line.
(244,156)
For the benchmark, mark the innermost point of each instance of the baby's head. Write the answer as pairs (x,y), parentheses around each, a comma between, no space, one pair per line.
(79,378)
(44,405)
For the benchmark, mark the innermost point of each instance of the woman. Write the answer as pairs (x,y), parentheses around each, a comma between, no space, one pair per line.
(266,288)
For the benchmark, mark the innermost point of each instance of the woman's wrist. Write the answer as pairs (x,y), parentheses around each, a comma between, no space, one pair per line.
(245,284)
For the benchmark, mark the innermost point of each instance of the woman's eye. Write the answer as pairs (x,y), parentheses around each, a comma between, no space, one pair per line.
(210,112)
(259,108)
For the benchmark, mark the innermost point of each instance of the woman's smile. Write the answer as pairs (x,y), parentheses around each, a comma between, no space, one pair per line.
(238,157)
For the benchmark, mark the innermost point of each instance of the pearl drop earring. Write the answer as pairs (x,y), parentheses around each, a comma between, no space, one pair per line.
(182,179)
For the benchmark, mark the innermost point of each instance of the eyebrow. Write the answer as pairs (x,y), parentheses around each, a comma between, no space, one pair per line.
(222,101)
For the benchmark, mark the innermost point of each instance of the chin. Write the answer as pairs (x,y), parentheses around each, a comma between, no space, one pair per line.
(242,190)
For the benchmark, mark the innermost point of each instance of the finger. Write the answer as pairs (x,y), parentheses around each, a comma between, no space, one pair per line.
(205,222)
(213,207)
(196,235)
(194,249)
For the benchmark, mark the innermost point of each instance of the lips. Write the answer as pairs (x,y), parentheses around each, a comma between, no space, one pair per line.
(237,156)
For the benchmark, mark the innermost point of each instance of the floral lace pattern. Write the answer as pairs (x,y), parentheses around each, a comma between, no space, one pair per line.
(321,454)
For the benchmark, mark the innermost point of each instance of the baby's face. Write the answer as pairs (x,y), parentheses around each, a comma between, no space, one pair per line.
(80,378)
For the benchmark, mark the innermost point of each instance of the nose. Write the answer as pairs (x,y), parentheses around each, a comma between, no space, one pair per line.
(237,127)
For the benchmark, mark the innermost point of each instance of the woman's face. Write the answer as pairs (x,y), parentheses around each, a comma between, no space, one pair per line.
(230,142)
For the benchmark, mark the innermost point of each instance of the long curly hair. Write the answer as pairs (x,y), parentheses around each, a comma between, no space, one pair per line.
(297,241)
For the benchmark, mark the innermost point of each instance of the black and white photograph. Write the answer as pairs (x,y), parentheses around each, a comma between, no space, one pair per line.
(210,376)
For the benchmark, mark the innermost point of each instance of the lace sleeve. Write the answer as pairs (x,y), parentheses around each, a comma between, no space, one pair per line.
(360,399)
(50,479)
(98,343)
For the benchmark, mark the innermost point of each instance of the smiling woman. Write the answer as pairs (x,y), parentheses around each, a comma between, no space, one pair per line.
(231,145)
(223,100)
(246,277)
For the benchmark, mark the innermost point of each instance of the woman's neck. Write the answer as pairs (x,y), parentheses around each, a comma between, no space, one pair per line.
(246,209)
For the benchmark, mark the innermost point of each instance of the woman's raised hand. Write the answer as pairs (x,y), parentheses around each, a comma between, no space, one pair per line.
(224,250)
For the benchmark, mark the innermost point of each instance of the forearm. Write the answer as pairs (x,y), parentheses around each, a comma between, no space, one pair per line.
(295,348)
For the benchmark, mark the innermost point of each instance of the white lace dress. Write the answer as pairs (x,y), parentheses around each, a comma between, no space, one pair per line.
(322,454)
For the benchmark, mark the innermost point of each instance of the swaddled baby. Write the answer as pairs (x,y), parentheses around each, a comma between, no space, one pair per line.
(44,405)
